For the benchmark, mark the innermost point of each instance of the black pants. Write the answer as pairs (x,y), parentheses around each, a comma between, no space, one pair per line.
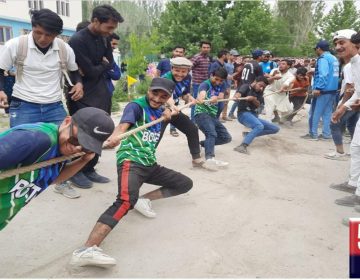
(131,176)
(186,126)
(297,101)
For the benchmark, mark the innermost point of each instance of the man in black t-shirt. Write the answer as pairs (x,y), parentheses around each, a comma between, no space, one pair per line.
(247,112)
(250,72)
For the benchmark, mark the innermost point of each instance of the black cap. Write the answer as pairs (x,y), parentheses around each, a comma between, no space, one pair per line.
(94,127)
(164,84)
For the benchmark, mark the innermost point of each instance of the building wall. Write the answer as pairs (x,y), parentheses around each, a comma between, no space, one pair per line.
(14,15)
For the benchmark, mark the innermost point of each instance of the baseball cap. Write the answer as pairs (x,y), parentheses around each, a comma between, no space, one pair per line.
(323,44)
(257,53)
(164,84)
(94,127)
(234,52)
(181,62)
(267,53)
(344,34)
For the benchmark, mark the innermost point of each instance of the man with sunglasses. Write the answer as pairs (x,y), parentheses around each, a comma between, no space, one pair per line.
(136,165)
(28,144)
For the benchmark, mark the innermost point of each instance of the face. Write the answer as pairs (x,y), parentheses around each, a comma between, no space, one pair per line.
(283,66)
(300,77)
(178,52)
(266,57)
(157,98)
(68,141)
(216,81)
(345,49)
(318,51)
(114,44)
(106,28)
(41,37)
(205,49)
(179,73)
(259,86)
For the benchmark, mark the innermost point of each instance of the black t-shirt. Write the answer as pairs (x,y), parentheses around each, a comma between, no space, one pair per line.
(246,90)
(251,71)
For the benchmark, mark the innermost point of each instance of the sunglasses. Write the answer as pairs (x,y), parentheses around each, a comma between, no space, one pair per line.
(75,142)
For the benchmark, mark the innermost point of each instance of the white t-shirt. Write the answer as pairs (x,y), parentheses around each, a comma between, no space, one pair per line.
(348,77)
(41,76)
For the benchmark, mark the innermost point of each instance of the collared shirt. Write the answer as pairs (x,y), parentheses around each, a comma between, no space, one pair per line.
(181,88)
(41,76)
(200,68)
(355,70)
(286,79)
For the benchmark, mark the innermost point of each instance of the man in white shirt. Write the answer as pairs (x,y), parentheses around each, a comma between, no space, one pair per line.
(348,48)
(37,92)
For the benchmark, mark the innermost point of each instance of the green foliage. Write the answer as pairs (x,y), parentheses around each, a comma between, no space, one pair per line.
(141,88)
(140,46)
(343,15)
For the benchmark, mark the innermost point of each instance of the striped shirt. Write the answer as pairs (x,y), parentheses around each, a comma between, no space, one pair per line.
(200,68)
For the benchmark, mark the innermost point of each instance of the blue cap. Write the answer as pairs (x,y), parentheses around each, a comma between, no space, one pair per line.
(323,44)
(256,53)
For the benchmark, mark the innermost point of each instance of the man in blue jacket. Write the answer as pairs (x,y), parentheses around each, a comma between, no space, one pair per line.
(326,78)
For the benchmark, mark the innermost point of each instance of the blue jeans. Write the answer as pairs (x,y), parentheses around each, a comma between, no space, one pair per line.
(349,119)
(321,108)
(258,126)
(233,108)
(195,89)
(22,112)
(215,133)
(220,106)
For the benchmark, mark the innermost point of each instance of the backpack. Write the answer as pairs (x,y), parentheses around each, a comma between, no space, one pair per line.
(21,54)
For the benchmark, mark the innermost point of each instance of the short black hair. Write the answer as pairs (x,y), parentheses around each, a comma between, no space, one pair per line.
(221,73)
(178,47)
(48,20)
(262,79)
(104,13)
(301,71)
(288,61)
(114,36)
(355,39)
(204,43)
(82,25)
(222,52)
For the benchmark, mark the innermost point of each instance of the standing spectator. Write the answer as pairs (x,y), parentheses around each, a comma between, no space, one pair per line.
(114,73)
(201,62)
(267,64)
(94,56)
(250,72)
(9,82)
(164,65)
(326,79)
(37,93)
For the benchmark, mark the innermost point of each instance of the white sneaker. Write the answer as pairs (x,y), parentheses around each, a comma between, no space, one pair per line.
(336,156)
(91,256)
(213,164)
(143,205)
(66,190)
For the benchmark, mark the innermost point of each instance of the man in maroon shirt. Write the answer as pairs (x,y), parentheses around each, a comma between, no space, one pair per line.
(201,62)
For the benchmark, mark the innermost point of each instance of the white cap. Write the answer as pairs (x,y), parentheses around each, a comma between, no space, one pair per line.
(181,62)
(344,34)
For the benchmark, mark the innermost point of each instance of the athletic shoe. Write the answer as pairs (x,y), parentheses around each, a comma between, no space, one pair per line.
(242,149)
(66,190)
(96,178)
(143,205)
(198,164)
(350,201)
(276,119)
(91,256)
(81,181)
(232,116)
(309,137)
(344,187)
(336,156)
(213,164)
(322,137)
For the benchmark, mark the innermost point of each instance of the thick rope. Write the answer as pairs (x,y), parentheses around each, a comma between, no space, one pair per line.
(24,169)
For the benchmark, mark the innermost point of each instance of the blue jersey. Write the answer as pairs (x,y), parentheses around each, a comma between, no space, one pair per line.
(181,88)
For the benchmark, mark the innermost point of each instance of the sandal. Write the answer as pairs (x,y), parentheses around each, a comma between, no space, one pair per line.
(174,133)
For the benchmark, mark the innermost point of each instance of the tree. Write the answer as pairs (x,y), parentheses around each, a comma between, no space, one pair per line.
(343,15)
